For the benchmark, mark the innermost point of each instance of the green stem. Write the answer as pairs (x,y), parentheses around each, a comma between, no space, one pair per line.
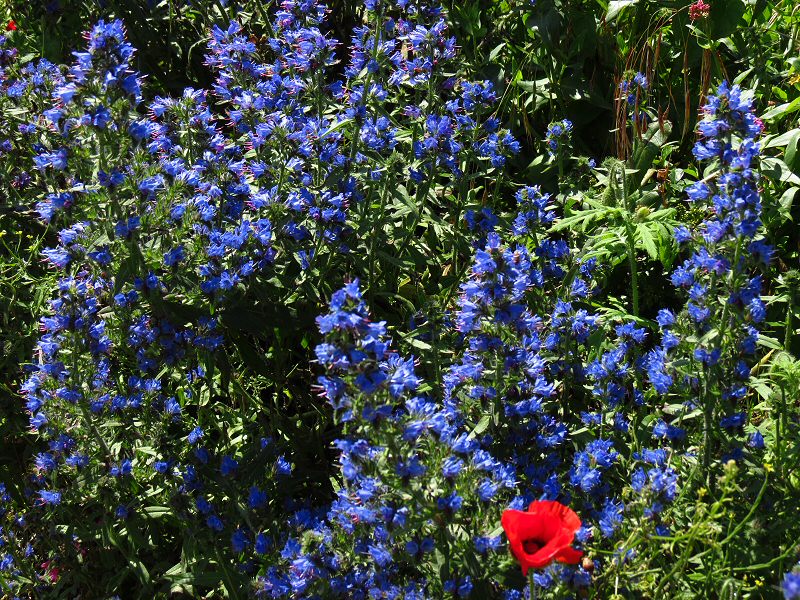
(631,243)
(630,209)
(779,428)
(422,194)
(619,187)
(375,233)
(708,416)
(789,329)
(531,585)
(93,428)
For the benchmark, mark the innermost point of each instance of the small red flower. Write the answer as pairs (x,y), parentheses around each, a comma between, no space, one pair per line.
(543,534)
(699,10)
(12,25)
(51,571)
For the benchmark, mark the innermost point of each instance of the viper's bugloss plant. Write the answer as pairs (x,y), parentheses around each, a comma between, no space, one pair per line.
(191,431)
(710,357)
(409,472)
(168,213)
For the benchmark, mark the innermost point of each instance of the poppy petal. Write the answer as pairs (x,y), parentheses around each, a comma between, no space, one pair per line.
(569,555)
(550,525)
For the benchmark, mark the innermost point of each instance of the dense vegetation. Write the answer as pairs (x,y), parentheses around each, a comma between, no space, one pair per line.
(353,301)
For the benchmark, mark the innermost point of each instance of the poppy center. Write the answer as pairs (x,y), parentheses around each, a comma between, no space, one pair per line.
(533,545)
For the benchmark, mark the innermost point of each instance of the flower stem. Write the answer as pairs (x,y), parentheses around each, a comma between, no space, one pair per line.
(631,243)
(630,235)
(789,328)
(531,585)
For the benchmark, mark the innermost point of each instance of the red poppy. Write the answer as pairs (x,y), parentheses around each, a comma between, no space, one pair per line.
(543,534)
(12,25)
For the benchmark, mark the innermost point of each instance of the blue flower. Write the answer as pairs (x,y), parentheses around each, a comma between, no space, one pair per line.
(283,467)
(195,435)
(228,466)
(50,497)
(791,585)
(215,523)
(239,541)
(611,517)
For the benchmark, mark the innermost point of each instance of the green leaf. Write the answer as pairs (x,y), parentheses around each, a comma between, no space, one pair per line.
(790,156)
(415,343)
(649,147)
(769,342)
(777,170)
(781,110)
(780,141)
(496,51)
(786,202)
(157,512)
(743,75)
(647,241)
(400,194)
(528,86)
(335,127)
(725,17)
(481,426)
(761,389)
(583,218)
(615,7)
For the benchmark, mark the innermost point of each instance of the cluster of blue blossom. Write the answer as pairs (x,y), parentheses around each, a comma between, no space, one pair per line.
(706,354)
(165,215)
(409,471)
(633,100)
(97,381)
(634,89)
(557,137)
(24,88)
(526,367)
